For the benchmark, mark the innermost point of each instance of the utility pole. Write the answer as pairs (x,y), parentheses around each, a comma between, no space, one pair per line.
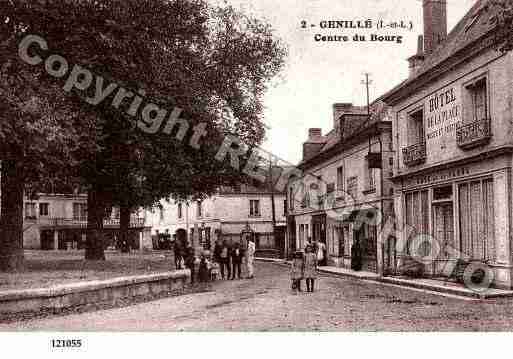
(367,82)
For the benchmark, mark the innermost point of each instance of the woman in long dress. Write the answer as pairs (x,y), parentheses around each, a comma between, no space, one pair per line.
(310,271)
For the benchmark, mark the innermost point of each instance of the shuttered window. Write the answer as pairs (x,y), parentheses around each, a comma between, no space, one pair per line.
(417,215)
(477,219)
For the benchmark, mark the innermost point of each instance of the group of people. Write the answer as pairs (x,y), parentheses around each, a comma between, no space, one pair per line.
(230,259)
(227,260)
(304,265)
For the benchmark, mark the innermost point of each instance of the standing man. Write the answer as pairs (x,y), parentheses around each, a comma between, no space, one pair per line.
(190,261)
(250,258)
(178,253)
(237,255)
(225,260)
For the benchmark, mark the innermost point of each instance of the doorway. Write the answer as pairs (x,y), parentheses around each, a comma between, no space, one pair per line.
(444,226)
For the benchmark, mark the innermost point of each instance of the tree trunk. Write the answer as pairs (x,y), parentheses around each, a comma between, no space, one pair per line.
(124,224)
(95,214)
(11,217)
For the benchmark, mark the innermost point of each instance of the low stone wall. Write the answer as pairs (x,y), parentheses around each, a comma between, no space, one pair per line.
(84,293)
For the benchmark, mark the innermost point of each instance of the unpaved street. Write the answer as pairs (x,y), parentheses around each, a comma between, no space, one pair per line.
(266,303)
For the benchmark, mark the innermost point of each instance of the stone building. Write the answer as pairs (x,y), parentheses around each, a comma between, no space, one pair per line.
(344,185)
(59,222)
(452,128)
(225,216)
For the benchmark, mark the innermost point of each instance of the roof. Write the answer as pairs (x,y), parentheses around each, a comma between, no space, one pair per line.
(473,26)
(257,187)
(351,124)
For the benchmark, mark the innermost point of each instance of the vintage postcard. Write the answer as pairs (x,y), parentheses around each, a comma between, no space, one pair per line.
(255,166)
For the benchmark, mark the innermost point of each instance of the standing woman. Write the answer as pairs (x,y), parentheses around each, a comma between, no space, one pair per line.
(250,258)
(310,271)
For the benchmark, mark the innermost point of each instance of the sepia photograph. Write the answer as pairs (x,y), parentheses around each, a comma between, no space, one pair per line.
(250,166)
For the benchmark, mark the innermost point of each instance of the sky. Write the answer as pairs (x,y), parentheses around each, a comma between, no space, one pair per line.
(319,74)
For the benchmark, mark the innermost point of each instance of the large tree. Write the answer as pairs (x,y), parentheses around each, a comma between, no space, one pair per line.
(214,63)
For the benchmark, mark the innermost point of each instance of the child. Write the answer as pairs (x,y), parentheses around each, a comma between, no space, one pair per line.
(214,271)
(203,269)
(310,268)
(296,271)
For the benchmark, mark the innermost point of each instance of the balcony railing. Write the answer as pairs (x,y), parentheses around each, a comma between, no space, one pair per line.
(474,134)
(415,154)
(81,222)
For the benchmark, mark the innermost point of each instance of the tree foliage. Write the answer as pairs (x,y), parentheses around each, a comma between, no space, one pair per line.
(212,62)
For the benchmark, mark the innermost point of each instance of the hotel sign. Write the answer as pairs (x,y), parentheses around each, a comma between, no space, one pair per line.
(443,114)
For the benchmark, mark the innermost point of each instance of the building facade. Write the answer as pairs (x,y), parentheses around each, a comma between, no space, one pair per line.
(59,222)
(452,127)
(225,216)
(344,187)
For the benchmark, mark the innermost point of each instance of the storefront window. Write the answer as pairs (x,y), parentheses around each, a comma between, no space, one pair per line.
(477,219)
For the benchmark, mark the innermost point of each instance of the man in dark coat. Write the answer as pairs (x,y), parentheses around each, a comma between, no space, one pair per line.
(189,262)
(237,254)
(178,253)
(225,255)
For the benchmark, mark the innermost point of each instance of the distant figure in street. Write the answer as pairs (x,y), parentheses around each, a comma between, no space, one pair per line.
(189,262)
(237,255)
(320,251)
(296,271)
(177,249)
(225,260)
(310,268)
(203,271)
(356,256)
(250,258)
(217,251)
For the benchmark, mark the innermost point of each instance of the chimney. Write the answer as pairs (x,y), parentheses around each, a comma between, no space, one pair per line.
(314,134)
(435,24)
(338,110)
(416,60)
(314,144)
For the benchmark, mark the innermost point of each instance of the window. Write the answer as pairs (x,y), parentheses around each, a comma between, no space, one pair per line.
(301,235)
(305,201)
(416,128)
(44,209)
(208,242)
(477,106)
(254,208)
(79,211)
(340,179)
(180,211)
(477,237)
(161,214)
(370,180)
(417,216)
(30,210)
(352,186)
(199,209)
(115,213)
(285,208)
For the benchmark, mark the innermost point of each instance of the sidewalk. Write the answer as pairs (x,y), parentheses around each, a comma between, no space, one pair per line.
(432,285)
